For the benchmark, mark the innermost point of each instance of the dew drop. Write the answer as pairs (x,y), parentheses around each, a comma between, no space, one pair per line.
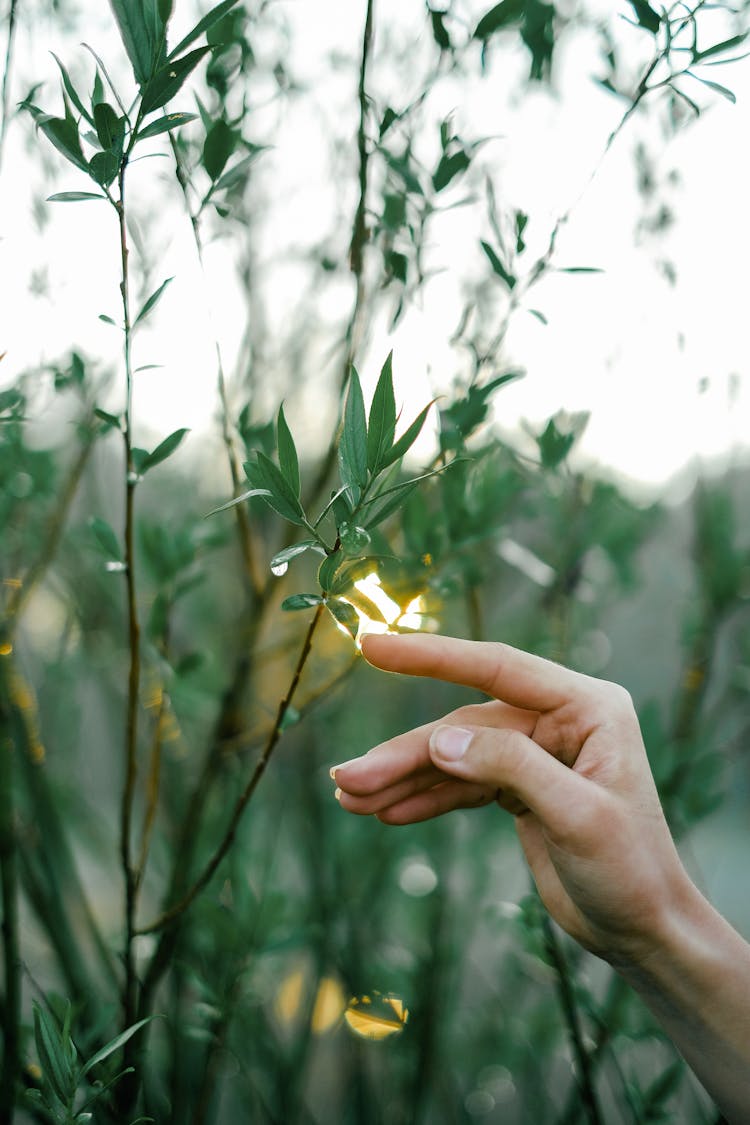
(115,567)
(280,569)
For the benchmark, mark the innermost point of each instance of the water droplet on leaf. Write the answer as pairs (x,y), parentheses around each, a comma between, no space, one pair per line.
(280,569)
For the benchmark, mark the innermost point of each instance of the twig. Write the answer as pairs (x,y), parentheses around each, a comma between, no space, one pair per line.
(253,568)
(34,575)
(174,912)
(5,95)
(573,1023)
(356,251)
(134,632)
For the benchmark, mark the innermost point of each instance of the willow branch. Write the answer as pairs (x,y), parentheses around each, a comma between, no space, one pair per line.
(356,249)
(174,912)
(5,95)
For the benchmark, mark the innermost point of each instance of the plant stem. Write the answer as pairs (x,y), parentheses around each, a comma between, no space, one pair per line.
(174,912)
(356,250)
(5,95)
(11,1012)
(573,1023)
(253,568)
(134,673)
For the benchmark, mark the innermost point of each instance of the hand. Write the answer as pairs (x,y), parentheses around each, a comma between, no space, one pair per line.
(563,753)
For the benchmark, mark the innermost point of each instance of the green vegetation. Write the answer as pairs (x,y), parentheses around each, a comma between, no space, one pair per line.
(192,930)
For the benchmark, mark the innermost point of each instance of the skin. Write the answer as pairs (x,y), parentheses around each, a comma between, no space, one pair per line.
(563,753)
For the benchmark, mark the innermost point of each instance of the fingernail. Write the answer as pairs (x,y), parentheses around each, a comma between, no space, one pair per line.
(340,766)
(451,743)
(337,794)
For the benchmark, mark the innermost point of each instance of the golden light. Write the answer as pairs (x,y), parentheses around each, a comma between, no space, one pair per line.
(329,1006)
(376,1017)
(378,612)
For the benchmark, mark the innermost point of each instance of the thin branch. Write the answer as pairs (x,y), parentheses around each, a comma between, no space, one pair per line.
(569,1007)
(51,540)
(356,251)
(174,912)
(5,95)
(253,568)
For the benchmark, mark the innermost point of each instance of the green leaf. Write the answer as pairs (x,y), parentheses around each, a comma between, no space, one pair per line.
(111,419)
(579,269)
(71,91)
(715,86)
(288,461)
(353,444)
(103,167)
(499,17)
(262,473)
(106,538)
(646,16)
(74,197)
(63,134)
(109,128)
(439,31)
(289,553)
(407,439)
(108,320)
(498,266)
(237,172)
(55,1066)
(169,80)
(450,167)
(395,499)
(382,421)
(221,141)
(328,568)
(239,500)
(300,601)
(115,1044)
(135,37)
(163,450)
(204,24)
(719,48)
(345,614)
(164,124)
(149,304)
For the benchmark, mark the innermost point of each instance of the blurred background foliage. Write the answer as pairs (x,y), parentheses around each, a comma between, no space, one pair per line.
(319,966)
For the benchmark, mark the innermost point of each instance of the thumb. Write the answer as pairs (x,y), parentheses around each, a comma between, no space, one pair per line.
(508,760)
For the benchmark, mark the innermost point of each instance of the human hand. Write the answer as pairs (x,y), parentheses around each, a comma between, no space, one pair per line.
(561,751)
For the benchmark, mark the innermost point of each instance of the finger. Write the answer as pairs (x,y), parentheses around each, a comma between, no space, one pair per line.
(497,669)
(369,803)
(444,798)
(408,755)
(510,761)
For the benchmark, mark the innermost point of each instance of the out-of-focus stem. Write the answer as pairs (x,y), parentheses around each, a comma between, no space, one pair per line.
(174,912)
(11,1012)
(5,95)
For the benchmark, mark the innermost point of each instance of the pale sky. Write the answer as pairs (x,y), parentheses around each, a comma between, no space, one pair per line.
(663,369)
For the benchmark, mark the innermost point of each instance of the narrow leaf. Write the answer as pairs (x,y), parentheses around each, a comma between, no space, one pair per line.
(53,1062)
(300,601)
(327,570)
(219,145)
(71,91)
(135,37)
(407,439)
(115,1044)
(111,419)
(74,196)
(580,269)
(719,48)
(238,500)
(107,123)
(262,473)
(345,614)
(502,15)
(498,266)
(450,167)
(353,445)
(382,421)
(289,553)
(164,124)
(208,21)
(715,86)
(149,304)
(288,460)
(165,449)
(169,80)
(63,133)
(106,538)
(396,498)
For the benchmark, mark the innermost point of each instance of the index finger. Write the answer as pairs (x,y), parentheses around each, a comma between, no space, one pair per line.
(498,670)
